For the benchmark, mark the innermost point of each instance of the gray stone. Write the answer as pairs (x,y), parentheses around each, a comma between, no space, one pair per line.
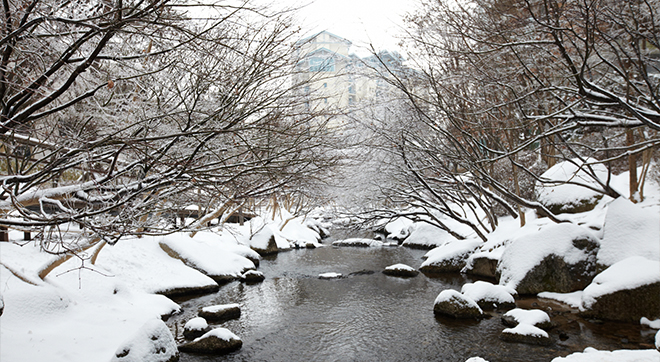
(553,274)
(211,343)
(453,304)
(628,305)
(220,313)
(271,248)
(483,267)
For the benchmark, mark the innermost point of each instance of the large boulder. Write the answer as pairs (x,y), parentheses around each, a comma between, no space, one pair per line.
(216,341)
(450,257)
(153,342)
(558,258)
(222,312)
(456,305)
(626,291)
(560,196)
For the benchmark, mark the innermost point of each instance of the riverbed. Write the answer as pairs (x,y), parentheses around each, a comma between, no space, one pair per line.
(368,316)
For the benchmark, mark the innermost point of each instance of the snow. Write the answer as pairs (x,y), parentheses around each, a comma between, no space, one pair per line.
(627,274)
(196,324)
(426,235)
(221,333)
(655,324)
(330,275)
(398,228)
(526,330)
(143,265)
(629,230)
(657,341)
(487,292)
(573,299)
(475,359)
(532,317)
(209,257)
(451,250)
(593,355)
(358,242)
(527,251)
(400,267)
(220,307)
(558,193)
(151,343)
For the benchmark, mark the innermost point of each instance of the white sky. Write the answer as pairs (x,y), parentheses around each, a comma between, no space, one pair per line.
(360,21)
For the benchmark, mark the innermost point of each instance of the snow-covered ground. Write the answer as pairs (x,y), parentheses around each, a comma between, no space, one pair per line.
(84,312)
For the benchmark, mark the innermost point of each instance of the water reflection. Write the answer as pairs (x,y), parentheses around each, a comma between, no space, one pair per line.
(294,316)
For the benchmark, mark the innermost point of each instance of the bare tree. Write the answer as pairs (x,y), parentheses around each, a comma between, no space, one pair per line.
(507,88)
(115,114)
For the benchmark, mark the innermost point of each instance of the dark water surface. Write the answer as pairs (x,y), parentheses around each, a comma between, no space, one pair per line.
(295,316)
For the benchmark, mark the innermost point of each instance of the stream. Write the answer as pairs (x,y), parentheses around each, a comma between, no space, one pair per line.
(368,316)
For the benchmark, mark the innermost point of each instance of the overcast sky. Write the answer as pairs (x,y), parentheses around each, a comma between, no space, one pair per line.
(360,21)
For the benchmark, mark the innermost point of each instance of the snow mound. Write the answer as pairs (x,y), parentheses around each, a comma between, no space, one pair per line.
(209,257)
(524,329)
(488,293)
(459,249)
(573,299)
(655,324)
(555,190)
(630,273)
(196,324)
(400,267)
(527,251)
(425,235)
(152,343)
(398,228)
(532,317)
(143,265)
(629,230)
(220,333)
(220,307)
(475,359)
(358,242)
(454,296)
(593,355)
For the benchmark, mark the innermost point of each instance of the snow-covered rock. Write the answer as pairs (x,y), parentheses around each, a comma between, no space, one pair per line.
(559,196)
(626,291)
(526,333)
(221,312)
(427,236)
(399,228)
(454,304)
(253,276)
(558,258)
(475,359)
(209,257)
(195,327)
(489,296)
(215,341)
(152,343)
(450,257)
(629,230)
(400,270)
(535,317)
(624,355)
(360,242)
(330,275)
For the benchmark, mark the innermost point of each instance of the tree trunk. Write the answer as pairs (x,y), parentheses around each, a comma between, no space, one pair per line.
(632,167)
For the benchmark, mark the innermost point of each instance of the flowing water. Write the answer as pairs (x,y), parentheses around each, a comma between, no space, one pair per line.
(368,316)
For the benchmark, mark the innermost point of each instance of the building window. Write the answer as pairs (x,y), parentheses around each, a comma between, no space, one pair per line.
(321,65)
